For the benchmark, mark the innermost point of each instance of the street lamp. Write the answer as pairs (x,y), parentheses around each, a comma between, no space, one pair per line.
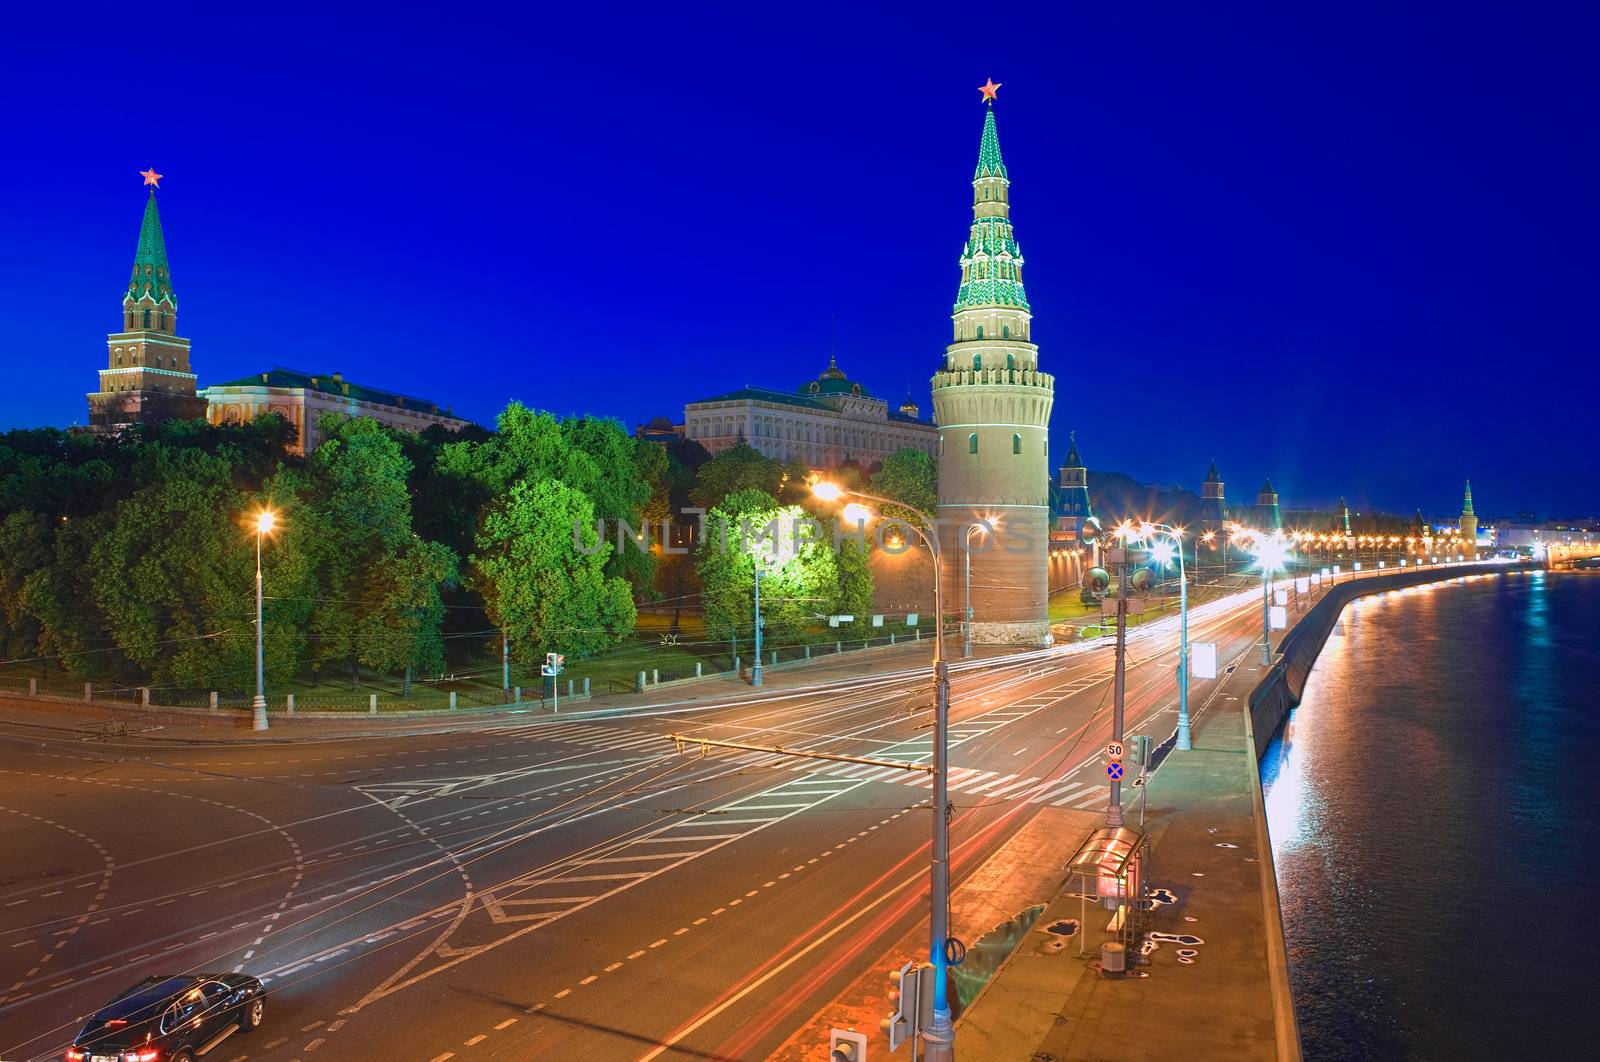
(1271,554)
(1163,553)
(966,553)
(265,521)
(940,1037)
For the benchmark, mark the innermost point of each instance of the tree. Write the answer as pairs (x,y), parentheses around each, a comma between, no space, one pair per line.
(380,603)
(544,583)
(740,467)
(908,476)
(183,623)
(802,576)
(593,455)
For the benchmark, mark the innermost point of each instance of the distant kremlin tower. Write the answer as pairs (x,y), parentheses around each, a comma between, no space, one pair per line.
(147,377)
(992,405)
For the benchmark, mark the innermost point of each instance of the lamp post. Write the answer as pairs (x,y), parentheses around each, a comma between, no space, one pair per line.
(1271,555)
(940,1037)
(265,520)
(1175,536)
(966,552)
(755,669)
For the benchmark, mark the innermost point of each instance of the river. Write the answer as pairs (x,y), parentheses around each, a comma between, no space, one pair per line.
(1435,821)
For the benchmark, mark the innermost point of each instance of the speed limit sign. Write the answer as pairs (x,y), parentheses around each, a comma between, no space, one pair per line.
(1113,750)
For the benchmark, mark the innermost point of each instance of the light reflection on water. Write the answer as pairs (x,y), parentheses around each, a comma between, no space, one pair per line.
(1427,803)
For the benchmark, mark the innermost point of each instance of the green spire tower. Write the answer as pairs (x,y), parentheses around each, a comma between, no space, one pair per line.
(147,377)
(993,405)
(1469,520)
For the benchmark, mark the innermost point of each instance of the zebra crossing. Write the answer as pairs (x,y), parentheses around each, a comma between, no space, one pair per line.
(564,888)
(989,785)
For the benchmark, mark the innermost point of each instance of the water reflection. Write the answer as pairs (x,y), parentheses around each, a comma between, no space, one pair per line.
(1411,799)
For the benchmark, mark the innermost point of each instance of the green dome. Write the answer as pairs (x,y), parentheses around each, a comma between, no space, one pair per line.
(833,381)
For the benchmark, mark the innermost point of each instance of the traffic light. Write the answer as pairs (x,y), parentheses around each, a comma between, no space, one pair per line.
(1139,749)
(847,1046)
(901,1024)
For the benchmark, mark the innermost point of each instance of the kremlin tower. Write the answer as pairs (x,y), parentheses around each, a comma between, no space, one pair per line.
(992,405)
(147,377)
(1267,510)
(1469,521)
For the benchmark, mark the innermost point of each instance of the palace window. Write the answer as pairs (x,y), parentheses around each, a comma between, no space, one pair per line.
(1011,361)
(1005,331)
(972,443)
(977,359)
(980,331)
(1016,444)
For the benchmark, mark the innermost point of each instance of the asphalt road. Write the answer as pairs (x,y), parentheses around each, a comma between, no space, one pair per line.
(551,888)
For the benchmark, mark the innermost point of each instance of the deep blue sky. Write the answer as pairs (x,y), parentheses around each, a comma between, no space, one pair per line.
(1352,249)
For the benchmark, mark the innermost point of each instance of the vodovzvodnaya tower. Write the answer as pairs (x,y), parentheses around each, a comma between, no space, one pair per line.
(993,408)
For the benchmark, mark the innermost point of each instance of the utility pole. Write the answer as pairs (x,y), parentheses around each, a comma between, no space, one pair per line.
(755,668)
(505,660)
(1266,615)
(1119,557)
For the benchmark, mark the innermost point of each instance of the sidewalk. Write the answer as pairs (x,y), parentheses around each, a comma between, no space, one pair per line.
(1210,997)
(118,720)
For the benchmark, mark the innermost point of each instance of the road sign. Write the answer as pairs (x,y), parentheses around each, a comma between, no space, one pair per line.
(549,672)
(1113,750)
(1278,617)
(1203,659)
(1114,771)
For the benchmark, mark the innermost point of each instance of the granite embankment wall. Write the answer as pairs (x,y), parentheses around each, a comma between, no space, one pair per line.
(1280,690)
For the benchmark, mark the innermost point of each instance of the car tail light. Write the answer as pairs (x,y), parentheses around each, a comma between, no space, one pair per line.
(76,1054)
(143,1054)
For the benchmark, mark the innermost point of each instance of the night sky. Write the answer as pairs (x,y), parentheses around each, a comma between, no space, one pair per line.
(1352,249)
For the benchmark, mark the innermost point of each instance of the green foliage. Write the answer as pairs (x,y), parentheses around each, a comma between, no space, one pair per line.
(737,468)
(182,623)
(908,476)
(380,603)
(803,578)
(544,585)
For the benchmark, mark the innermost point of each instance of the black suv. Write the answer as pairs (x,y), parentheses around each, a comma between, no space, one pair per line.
(171,1019)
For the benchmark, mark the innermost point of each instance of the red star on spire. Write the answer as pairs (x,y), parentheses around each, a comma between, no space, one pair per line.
(989,88)
(152,179)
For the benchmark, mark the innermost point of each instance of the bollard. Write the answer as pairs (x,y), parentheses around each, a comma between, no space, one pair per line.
(517,695)
(33,687)
(213,700)
(452,700)
(638,683)
(697,666)
(288,704)
(919,634)
(88,691)
(372,704)
(144,696)
(808,650)
(655,676)
(891,637)
(774,657)
(737,670)
(571,688)
(586,685)
(1113,958)
(838,647)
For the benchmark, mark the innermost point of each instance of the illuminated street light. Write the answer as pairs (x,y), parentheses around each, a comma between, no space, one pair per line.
(966,553)
(941,1030)
(265,522)
(1170,544)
